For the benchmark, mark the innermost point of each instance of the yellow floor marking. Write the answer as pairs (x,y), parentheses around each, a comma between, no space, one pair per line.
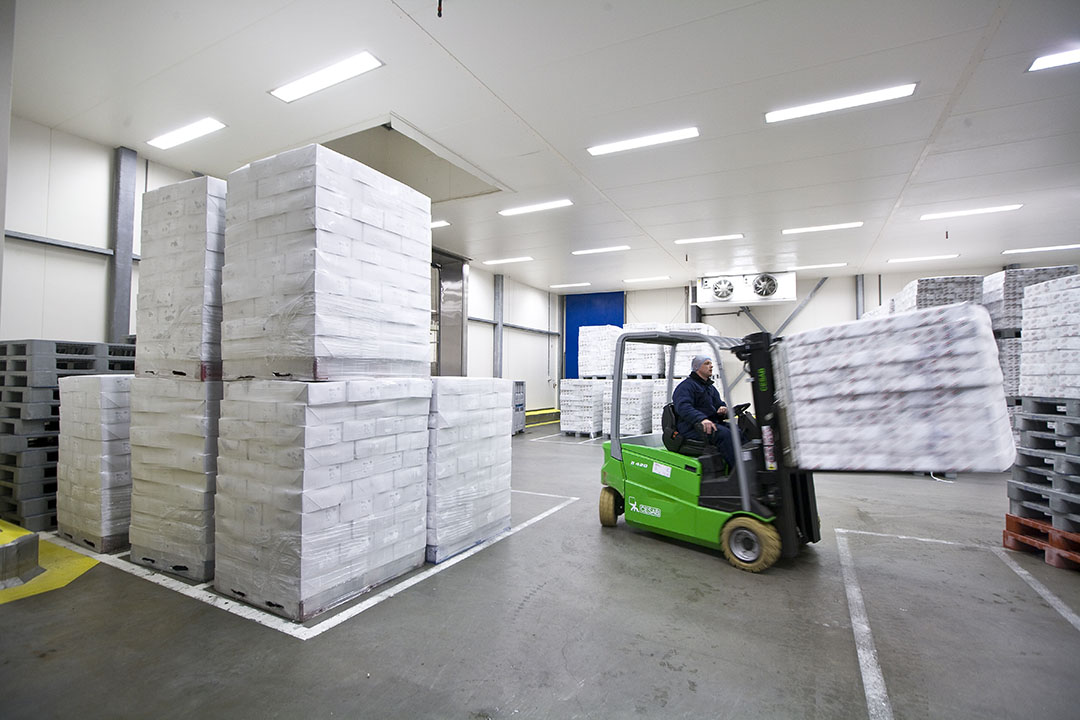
(61,567)
(9,532)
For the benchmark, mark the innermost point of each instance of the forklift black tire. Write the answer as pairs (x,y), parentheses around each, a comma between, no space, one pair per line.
(750,544)
(610,507)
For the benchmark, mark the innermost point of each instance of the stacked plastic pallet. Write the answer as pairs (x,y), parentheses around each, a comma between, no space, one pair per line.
(635,411)
(643,359)
(685,352)
(918,391)
(936,291)
(176,392)
(327,278)
(596,350)
(94,470)
(468,472)
(581,405)
(30,372)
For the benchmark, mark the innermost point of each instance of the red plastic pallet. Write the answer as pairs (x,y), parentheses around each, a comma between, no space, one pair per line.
(1060,549)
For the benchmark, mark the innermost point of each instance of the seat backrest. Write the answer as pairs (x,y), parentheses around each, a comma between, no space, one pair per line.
(673,439)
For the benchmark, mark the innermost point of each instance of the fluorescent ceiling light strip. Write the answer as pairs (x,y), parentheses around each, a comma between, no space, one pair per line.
(187,133)
(439,224)
(850,101)
(713,238)
(963,213)
(818,267)
(820,228)
(593,251)
(1056,60)
(646,141)
(568,285)
(536,208)
(647,279)
(504,261)
(322,79)
(928,257)
(1048,248)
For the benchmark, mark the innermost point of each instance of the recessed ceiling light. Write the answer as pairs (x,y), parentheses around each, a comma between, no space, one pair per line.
(821,228)
(647,279)
(977,211)
(927,257)
(504,261)
(867,98)
(1056,60)
(568,285)
(188,132)
(439,224)
(322,79)
(818,267)
(1048,248)
(536,208)
(634,143)
(713,238)
(593,251)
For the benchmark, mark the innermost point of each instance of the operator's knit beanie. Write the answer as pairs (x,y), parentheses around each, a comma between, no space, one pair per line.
(698,361)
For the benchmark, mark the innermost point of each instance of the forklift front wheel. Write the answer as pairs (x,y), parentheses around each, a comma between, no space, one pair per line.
(750,544)
(610,507)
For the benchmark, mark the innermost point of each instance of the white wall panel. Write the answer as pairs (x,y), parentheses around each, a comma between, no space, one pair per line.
(23,290)
(80,186)
(481,295)
(75,301)
(28,178)
(530,357)
(481,349)
(526,306)
(668,305)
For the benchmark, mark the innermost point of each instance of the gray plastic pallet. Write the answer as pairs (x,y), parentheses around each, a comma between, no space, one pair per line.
(1038,440)
(24,348)
(1069,407)
(30,395)
(29,458)
(27,490)
(31,506)
(22,443)
(30,411)
(48,363)
(1059,461)
(22,475)
(107,544)
(1062,425)
(197,570)
(1040,476)
(33,523)
(18,426)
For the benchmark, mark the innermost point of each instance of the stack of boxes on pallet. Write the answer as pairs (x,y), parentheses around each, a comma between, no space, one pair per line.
(581,406)
(30,372)
(635,410)
(936,291)
(94,470)
(865,395)
(468,472)
(176,392)
(325,349)
(685,352)
(642,360)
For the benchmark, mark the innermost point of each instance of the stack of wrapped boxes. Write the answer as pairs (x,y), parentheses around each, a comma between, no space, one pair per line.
(643,359)
(581,406)
(918,391)
(596,350)
(685,352)
(93,498)
(1050,355)
(936,291)
(176,392)
(468,471)
(327,279)
(660,398)
(635,410)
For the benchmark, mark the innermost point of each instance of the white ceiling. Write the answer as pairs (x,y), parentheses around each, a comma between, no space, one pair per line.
(518,90)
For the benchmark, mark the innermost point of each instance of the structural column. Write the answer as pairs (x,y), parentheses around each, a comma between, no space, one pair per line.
(122,230)
(497,342)
(453,319)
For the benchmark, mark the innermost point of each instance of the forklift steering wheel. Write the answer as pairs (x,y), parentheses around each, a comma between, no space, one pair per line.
(739,409)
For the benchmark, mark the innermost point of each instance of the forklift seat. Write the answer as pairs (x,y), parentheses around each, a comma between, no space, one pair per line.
(676,441)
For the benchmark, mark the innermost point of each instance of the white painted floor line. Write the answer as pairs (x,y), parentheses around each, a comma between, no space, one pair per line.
(1055,602)
(591,440)
(301,632)
(561,497)
(911,537)
(877,697)
(544,438)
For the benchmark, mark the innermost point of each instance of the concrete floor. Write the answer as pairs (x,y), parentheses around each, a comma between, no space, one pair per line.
(565,619)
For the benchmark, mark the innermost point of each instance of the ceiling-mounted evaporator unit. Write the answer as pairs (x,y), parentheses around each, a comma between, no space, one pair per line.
(748,289)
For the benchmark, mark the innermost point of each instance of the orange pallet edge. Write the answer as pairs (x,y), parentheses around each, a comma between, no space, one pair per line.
(1060,549)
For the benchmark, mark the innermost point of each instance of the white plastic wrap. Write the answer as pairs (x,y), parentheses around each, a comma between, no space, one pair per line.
(937,291)
(327,271)
(322,489)
(468,480)
(685,352)
(660,398)
(1003,292)
(179,304)
(596,350)
(643,358)
(174,439)
(1050,347)
(635,415)
(93,496)
(917,391)
(581,405)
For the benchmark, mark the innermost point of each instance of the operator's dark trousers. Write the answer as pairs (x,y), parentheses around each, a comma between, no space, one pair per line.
(721,438)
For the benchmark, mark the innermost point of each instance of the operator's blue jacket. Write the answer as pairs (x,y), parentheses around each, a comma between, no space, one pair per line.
(696,400)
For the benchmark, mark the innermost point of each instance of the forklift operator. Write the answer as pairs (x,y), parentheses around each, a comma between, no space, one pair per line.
(699,407)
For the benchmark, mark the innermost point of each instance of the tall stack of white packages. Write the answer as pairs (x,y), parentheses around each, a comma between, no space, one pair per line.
(643,358)
(660,398)
(1050,354)
(918,391)
(685,352)
(1003,292)
(321,490)
(596,350)
(468,481)
(93,472)
(326,291)
(328,271)
(635,411)
(935,291)
(176,392)
(581,405)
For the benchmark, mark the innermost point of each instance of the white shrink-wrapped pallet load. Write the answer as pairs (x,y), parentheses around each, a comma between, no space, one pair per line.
(596,350)
(643,358)
(581,405)
(1050,348)
(1003,292)
(936,291)
(660,398)
(918,391)
(635,411)
(179,303)
(174,436)
(93,496)
(327,271)
(685,352)
(322,489)
(468,482)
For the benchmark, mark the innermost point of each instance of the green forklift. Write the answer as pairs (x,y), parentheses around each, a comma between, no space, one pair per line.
(755,512)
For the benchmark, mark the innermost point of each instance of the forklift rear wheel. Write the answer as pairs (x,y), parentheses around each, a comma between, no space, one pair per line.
(609,507)
(750,544)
